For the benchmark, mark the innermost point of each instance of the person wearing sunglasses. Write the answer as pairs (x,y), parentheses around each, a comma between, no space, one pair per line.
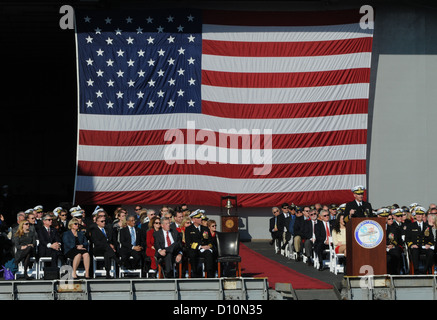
(105,243)
(276,226)
(76,247)
(24,241)
(49,241)
(154,226)
(393,242)
(323,232)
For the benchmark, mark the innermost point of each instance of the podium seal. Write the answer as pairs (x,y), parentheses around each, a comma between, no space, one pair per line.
(369,234)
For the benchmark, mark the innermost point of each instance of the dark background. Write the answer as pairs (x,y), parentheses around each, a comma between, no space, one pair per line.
(38,106)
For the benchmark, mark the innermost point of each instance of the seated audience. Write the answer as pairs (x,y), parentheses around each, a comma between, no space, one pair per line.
(24,241)
(76,247)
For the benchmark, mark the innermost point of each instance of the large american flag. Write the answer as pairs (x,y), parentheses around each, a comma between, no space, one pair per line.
(162,93)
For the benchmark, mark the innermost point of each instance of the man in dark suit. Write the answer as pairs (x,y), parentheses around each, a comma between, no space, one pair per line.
(299,233)
(168,246)
(286,234)
(49,241)
(104,243)
(309,235)
(198,241)
(358,208)
(323,231)
(393,243)
(276,226)
(419,239)
(130,245)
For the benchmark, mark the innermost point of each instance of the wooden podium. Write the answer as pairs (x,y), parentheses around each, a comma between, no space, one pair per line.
(229,224)
(366,246)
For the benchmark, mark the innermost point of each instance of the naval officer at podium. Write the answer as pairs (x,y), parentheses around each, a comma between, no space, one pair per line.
(358,208)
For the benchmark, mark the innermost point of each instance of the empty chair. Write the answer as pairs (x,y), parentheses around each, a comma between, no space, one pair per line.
(228,245)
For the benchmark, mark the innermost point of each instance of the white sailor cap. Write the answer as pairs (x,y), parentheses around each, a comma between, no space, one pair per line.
(197,213)
(97,210)
(419,210)
(398,212)
(28,211)
(358,189)
(38,208)
(413,205)
(383,212)
(57,210)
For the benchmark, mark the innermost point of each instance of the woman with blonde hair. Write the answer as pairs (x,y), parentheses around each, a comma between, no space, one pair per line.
(24,241)
(76,247)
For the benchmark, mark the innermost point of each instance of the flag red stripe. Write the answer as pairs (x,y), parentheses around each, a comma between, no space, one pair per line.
(209,198)
(284,111)
(233,171)
(283,18)
(279,141)
(286,49)
(285,80)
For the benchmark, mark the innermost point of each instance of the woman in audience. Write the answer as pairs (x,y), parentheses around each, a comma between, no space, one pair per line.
(76,247)
(24,241)
(339,235)
(154,225)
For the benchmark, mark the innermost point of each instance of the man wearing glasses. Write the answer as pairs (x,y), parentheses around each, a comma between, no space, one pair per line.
(323,231)
(49,241)
(104,243)
(309,235)
(276,227)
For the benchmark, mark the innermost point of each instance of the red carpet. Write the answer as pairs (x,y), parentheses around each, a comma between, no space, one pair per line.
(256,265)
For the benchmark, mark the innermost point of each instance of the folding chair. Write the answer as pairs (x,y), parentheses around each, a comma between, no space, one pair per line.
(42,261)
(80,271)
(101,272)
(123,271)
(31,272)
(334,265)
(161,273)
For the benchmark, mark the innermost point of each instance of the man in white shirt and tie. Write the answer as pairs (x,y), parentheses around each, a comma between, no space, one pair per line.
(323,232)
(168,246)
(130,245)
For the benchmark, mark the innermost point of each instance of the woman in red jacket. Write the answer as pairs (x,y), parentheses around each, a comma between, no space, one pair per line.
(154,225)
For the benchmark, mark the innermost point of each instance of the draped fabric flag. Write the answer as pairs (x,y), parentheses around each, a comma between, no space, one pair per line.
(185,106)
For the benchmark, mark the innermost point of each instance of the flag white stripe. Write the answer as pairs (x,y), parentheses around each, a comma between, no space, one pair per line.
(222,155)
(286,64)
(218,184)
(201,121)
(283,34)
(285,95)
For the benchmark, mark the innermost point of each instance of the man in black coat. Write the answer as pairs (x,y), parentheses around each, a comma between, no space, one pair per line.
(198,242)
(276,226)
(393,243)
(49,241)
(309,234)
(358,208)
(419,239)
(130,245)
(323,230)
(104,243)
(168,246)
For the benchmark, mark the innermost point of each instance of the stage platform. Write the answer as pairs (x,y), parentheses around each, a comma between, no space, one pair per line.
(265,276)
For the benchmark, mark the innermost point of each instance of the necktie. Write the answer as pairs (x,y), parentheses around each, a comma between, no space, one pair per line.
(327,230)
(168,240)
(132,236)
(48,231)
(103,230)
